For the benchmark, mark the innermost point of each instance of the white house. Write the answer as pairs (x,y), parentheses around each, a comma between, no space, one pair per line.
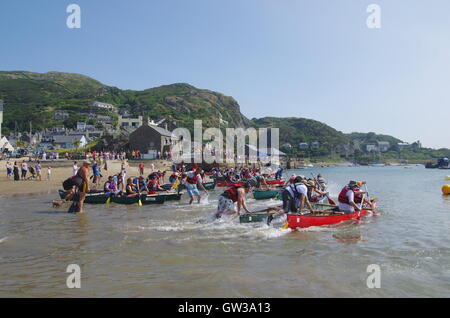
(370,148)
(303,145)
(383,146)
(106,106)
(315,145)
(65,142)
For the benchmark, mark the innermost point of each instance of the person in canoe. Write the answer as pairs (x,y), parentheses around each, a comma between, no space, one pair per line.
(131,191)
(193,181)
(295,196)
(110,186)
(231,196)
(351,198)
(153,184)
(314,193)
(81,182)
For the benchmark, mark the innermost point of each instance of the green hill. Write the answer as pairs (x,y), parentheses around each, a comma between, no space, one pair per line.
(35,97)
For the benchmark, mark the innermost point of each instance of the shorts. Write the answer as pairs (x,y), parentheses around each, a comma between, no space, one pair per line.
(225,204)
(192,190)
(74,181)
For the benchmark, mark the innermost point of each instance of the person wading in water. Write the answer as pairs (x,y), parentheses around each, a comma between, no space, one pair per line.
(81,182)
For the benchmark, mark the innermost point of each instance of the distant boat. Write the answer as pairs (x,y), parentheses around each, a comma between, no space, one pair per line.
(378,165)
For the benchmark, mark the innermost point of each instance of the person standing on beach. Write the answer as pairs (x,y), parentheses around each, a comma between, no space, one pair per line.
(16,171)
(9,170)
(24,170)
(141,168)
(49,172)
(38,169)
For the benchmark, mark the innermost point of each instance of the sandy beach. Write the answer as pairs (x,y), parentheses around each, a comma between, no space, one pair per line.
(61,170)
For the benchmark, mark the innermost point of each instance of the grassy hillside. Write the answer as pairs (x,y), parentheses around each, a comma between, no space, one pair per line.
(35,97)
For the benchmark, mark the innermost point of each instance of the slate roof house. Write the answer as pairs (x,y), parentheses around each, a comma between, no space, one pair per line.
(151,137)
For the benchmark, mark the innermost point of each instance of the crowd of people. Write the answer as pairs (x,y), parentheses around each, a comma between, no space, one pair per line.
(23,170)
(298,192)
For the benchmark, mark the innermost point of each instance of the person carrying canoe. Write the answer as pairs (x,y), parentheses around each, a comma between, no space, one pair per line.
(296,196)
(192,182)
(227,200)
(351,198)
(81,182)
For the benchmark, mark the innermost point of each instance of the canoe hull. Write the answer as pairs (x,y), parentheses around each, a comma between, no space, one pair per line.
(296,221)
(266,195)
(230,184)
(90,198)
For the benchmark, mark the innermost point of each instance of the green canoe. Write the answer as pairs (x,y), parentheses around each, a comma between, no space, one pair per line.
(145,199)
(91,198)
(265,216)
(171,196)
(265,195)
(207,185)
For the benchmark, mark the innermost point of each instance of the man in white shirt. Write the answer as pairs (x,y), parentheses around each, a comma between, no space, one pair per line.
(295,196)
(193,179)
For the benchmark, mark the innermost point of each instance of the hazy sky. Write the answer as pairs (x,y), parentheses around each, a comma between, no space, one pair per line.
(306,58)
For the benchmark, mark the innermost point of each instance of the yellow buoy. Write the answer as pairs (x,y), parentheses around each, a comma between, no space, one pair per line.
(447,178)
(446,189)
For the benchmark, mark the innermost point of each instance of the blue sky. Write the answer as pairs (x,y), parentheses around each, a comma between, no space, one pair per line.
(305,58)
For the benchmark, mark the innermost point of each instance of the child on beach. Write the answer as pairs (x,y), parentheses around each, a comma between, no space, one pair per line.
(49,172)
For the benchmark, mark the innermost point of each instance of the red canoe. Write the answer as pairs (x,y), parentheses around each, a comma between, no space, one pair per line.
(230,184)
(296,221)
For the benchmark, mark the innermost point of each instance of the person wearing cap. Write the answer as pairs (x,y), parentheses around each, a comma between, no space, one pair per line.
(192,182)
(315,194)
(322,182)
(351,198)
(227,200)
(296,196)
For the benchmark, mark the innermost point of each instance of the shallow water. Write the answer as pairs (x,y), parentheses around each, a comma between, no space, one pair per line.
(176,250)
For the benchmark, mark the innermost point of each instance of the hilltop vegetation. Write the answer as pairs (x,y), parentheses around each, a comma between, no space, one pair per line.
(34,97)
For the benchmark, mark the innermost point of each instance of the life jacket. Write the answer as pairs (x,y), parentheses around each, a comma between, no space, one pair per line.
(293,187)
(192,180)
(232,193)
(152,185)
(343,196)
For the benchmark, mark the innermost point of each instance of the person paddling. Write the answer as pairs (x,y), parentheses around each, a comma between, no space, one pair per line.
(351,198)
(227,200)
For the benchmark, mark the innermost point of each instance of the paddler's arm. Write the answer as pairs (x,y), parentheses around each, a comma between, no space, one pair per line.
(202,187)
(353,204)
(85,177)
(308,203)
(241,201)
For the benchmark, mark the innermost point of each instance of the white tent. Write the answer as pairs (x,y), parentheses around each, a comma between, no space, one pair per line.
(4,144)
